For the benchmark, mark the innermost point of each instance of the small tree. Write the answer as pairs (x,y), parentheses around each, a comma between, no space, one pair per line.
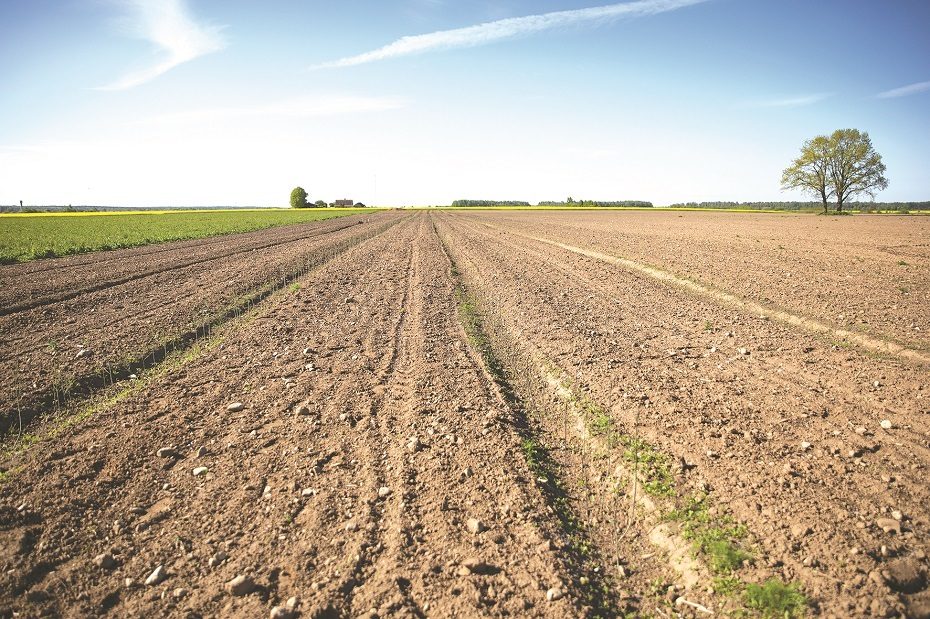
(855,166)
(299,198)
(811,171)
(319,204)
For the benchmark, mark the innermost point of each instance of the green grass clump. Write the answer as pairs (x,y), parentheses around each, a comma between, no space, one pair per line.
(44,235)
(722,554)
(716,537)
(728,585)
(653,466)
(533,456)
(599,422)
(775,600)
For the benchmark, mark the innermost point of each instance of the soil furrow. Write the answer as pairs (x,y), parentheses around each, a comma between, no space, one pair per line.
(288,496)
(707,398)
(865,274)
(475,414)
(42,382)
(71,289)
(869,343)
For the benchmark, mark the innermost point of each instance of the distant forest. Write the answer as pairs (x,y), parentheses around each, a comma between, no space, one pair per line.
(490,203)
(865,207)
(569,203)
(596,203)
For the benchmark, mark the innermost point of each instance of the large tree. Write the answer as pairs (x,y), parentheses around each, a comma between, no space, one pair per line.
(810,172)
(299,198)
(855,166)
(840,165)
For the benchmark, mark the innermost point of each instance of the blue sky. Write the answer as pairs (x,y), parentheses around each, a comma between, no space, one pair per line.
(234,102)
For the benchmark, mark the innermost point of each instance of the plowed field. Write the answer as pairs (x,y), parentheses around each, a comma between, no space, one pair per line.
(474,414)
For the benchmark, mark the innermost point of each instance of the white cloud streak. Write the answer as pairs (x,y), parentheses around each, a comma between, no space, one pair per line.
(298,107)
(169,25)
(798,101)
(904,91)
(491,32)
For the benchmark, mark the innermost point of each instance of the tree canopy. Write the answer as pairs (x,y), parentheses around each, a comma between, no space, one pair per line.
(810,172)
(855,167)
(299,198)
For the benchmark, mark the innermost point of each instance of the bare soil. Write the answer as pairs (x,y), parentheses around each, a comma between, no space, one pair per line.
(70,321)
(865,273)
(427,421)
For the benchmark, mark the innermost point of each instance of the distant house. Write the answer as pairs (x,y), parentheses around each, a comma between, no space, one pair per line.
(344,202)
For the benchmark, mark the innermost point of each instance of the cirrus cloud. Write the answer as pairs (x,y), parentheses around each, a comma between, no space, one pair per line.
(904,91)
(169,25)
(491,32)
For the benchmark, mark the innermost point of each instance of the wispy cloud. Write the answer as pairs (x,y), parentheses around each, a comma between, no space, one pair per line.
(793,101)
(490,32)
(298,107)
(169,25)
(904,91)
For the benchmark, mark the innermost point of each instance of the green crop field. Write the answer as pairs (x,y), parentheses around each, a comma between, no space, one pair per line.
(46,235)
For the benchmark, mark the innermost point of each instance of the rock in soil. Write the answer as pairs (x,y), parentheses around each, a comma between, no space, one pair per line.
(156,576)
(280,612)
(554,594)
(240,585)
(889,525)
(475,526)
(217,558)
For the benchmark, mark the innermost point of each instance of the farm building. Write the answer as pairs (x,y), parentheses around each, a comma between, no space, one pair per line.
(344,202)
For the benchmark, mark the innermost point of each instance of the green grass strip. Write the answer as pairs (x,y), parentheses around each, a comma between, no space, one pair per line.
(31,236)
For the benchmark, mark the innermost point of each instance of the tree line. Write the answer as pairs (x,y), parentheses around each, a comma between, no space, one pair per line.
(490,203)
(570,202)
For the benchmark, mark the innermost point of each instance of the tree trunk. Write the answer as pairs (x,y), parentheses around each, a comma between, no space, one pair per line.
(839,204)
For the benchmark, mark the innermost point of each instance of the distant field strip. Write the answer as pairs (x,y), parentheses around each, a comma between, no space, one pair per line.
(868,342)
(25,237)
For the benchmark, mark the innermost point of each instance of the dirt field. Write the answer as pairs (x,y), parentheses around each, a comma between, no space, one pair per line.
(72,323)
(476,414)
